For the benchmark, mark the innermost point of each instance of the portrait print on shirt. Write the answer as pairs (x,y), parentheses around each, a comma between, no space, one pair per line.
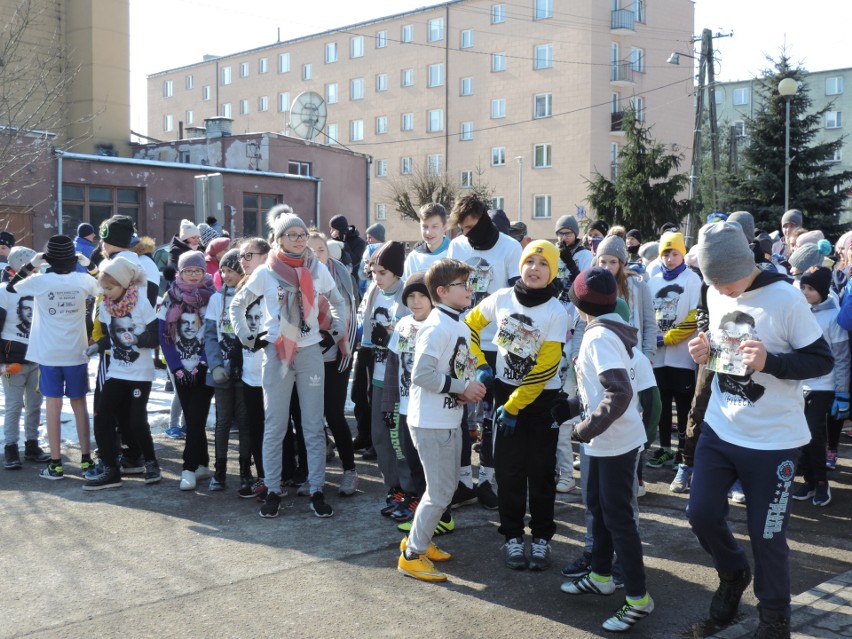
(190,342)
(405,348)
(124,335)
(665,306)
(481,274)
(520,342)
(381,317)
(463,366)
(254,319)
(725,341)
(25,316)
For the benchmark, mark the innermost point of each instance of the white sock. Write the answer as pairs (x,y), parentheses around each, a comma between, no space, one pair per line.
(485,474)
(466,476)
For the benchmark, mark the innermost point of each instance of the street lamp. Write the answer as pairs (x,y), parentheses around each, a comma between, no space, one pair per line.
(788,87)
(520,159)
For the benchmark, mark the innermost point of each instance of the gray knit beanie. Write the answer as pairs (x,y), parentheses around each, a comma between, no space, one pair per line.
(615,246)
(568,222)
(805,257)
(723,253)
(377,231)
(745,220)
(793,216)
(231,260)
(649,251)
(286,222)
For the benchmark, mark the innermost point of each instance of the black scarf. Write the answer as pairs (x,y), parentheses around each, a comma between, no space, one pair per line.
(530,297)
(484,235)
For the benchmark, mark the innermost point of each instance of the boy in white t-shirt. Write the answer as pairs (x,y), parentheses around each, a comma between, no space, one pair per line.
(433,229)
(443,380)
(764,340)
(60,310)
(611,431)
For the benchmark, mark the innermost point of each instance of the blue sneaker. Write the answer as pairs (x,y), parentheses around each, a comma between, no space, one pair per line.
(95,472)
(175,432)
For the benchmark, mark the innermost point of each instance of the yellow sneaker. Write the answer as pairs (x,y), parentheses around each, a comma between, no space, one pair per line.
(433,552)
(420,568)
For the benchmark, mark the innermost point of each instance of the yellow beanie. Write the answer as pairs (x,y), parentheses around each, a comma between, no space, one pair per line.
(672,241)
(545,249)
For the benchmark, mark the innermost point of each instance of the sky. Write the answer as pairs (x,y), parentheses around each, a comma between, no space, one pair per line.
(165,34)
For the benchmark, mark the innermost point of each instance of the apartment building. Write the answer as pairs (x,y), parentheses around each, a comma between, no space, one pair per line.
(525,96)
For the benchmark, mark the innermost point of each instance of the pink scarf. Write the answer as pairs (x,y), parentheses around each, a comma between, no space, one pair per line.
(295,274)
(124,306)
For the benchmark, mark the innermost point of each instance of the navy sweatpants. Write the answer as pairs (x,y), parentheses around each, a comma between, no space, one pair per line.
(766,476)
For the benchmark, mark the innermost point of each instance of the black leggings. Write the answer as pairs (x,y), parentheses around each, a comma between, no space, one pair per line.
(253,399)
(125,403)
(336,384)
(195,402)
(678,385)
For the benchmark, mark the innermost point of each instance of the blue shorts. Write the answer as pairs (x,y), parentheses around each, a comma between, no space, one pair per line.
(70,381)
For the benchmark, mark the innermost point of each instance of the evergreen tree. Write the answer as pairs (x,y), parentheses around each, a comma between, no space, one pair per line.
(816,188)
(644,193)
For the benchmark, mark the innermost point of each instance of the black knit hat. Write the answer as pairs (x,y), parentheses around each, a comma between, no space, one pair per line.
(819,279)
(118,231)
(85,230)
(599,225)
(7,239)
(415,284)
(339,223)
(231,260)
(390,255)
(594,292)
(60,248)
(635,234)
(500,219)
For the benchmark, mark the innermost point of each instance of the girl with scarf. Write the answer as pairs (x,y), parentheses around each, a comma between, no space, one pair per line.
(124,379)
(182,343)
(531,329)
(675,292)
(290,283)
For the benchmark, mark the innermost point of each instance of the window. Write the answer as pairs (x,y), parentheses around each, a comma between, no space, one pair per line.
(615,102)
(639,10)
(613,160)
(434,164)
(543,56)
(718,97)
(382,82)
(168,123)
(498,62)
(330,52)
(284,102)
(436,29)
(498,108)
(294,167)
(244,107)
(541,207)
(356,89)
(331,93)
(407,121)
(263,65)
(466,179)
(406,166)
(244,69)
(283,63)
(834,86)
(498,202)
(833,120)
(205,93)
(356,130)
(542,156)
(190,81)
(498,13)
(637,103)
(381,168)
(467,39)
(637,59)
(226,110)
(331,134)
(543,105)
(94,204)
(498,155)
(407,33)
(739,129)
(837,157)
(190,117)
(436,75)
(466,132)
(381,124)
(740,96)
(381,39)
(356,47)
(543,9)
(226,75)
(307,71)
(436,120)
(263,103)
(255,208)
(381,212)
(467,86)
(168,88)
(407,77)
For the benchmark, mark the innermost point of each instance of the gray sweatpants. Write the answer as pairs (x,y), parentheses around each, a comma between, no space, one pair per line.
(307,372)
(388,447)
(440,452)
(22,395)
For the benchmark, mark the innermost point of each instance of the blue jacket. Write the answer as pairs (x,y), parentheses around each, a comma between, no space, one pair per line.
(84,246)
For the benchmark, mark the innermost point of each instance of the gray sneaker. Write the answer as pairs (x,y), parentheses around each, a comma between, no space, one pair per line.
(539,554)
(515,557)
(349,483)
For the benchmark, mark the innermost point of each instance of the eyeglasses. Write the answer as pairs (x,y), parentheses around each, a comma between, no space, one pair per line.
(296,237)
(565,233)
(192,271)
(466,285)
(245,257)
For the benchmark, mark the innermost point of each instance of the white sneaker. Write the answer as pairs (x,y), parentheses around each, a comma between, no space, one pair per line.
(641,490)
(566,484)
(349,482)
(188,480)
(304,490)
(203,472)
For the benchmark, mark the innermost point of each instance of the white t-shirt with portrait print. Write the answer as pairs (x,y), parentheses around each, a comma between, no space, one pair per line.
(402,344)
(19,315)
(253,361)
(189,341)
(672,300)
(225,336)
(128,361)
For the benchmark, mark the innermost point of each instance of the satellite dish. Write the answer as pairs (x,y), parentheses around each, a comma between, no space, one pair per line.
(307,115)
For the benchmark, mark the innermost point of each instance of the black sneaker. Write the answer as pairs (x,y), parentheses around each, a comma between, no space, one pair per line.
(370,454)
(773,625)
(463,496)
(110,478)
(271,506)
(726,599)
(131,465)
(803,491)
(580,567)
(319,507)
(360,444)
(486,496)
(12,457)
(152,472)
(34,453)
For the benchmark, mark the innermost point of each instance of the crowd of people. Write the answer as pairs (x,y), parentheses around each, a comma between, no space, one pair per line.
(728,362)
